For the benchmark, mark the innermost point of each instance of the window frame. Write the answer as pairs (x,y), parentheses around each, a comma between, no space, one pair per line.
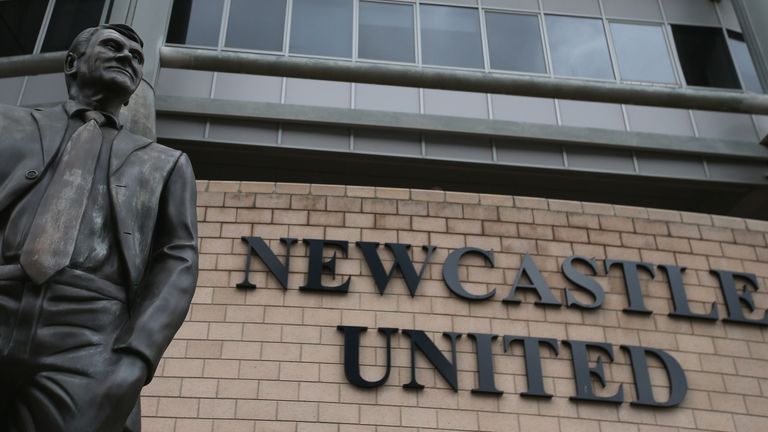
(48,14)
(663,23)
(671,53)
(416,41)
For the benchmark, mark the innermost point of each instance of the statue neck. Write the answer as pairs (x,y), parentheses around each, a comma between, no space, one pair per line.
(96,100)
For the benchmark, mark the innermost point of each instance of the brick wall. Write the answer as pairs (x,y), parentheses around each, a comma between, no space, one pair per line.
(271,359)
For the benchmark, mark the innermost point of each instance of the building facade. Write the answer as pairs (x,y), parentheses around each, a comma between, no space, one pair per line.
(475,215)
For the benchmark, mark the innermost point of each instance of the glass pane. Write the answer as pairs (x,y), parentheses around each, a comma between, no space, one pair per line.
(578,47)
(256,25)
(322,27)
(195,22)
(386,32)
(744,62)
(69,18)
(642,53)
(20,22)
(514,42)
(450,36)
(704,57)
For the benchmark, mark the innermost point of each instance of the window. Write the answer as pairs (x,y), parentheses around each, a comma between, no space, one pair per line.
(514,42)
(322,27)
(257,25)
(450,36)
(744,62)
(195,22)
(578,47)
(642,53)
(386,32)
(20,22)
(704,57)
(69,18)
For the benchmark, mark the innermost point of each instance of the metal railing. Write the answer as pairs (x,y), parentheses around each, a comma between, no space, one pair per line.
(411,76)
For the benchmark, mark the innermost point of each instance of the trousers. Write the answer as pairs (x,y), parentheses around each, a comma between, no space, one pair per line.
(58,371)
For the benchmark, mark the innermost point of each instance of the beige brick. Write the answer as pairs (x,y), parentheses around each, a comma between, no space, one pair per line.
(210,199)
(223,186)
(239,199)
(177,407)
(483,212)
(463,226)
(616,223)
(462,197)
(380,415)
(536,231)
(194,425)
(269,187)
(387,221)
(332,190)
(380,206)
(199,387)
(537,423)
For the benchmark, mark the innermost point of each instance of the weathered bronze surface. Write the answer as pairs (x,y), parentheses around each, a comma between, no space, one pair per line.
(98,248)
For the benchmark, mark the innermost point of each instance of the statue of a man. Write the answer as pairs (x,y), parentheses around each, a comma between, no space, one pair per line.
(98,248)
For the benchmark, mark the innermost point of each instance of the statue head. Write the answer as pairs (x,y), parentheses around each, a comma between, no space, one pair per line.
(103,66)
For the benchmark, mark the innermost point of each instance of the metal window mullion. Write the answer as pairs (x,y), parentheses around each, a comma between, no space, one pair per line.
(355,28)
(545,43)
(417,31)
(677,66)
(484,38)
(224,24)
(104,11)
(730,51)
(287,27)
(44,27)
(486,58)
(609,41)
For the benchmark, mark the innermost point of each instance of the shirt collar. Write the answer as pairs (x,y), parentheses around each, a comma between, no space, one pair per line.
(73,109)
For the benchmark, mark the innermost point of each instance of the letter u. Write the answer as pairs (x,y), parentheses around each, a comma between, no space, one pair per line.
(352,355)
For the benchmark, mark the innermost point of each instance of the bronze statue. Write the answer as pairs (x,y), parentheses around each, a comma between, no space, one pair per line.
(98,248)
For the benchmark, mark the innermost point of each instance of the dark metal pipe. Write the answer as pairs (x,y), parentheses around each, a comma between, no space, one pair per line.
(32,64)
(483,82)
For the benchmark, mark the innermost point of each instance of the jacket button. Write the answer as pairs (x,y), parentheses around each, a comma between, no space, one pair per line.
(31,174)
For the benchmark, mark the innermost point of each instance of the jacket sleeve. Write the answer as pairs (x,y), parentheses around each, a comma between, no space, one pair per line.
(166,290)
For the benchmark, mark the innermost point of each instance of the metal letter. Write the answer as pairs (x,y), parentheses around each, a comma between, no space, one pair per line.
(485,371)
(278,270)
(402,261)
(735,300)
(583,281)
(352,355)
(585,374)
(678,385)
(451,273)
(529,269)
(680,298)
(317,266)
(447,369)
(632,282)
(533,372)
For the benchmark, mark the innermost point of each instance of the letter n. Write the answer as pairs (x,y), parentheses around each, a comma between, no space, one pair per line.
(256,245)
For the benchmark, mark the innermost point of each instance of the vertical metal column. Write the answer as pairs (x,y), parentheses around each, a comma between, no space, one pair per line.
(753,17)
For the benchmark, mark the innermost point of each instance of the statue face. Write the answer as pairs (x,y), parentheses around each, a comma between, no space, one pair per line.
(112,64)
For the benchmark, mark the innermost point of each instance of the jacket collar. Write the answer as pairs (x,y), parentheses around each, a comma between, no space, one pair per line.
(52,124)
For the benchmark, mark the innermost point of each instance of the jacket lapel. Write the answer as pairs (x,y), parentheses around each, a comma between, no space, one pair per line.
(125,143)
(52,123)
(122,193)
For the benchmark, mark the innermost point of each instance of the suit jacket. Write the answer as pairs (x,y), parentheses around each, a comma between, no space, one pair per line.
(153,194)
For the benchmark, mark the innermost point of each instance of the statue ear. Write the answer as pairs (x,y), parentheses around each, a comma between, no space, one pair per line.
(70,63)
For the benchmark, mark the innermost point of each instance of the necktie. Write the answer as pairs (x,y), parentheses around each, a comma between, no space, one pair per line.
(51,238)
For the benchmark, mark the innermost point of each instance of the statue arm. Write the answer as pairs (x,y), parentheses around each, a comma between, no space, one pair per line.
(166,291)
